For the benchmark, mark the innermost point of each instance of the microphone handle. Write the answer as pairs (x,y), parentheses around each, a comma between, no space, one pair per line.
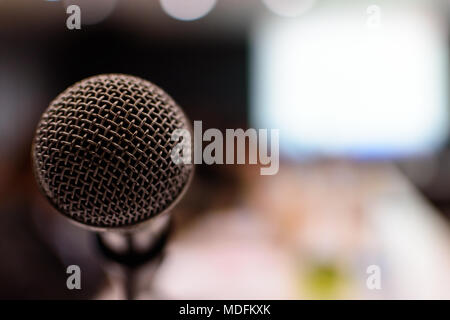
(134,257)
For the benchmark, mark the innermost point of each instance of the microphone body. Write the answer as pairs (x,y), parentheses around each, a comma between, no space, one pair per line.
(102,157)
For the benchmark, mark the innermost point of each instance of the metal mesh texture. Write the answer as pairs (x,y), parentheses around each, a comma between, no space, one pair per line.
(102,151)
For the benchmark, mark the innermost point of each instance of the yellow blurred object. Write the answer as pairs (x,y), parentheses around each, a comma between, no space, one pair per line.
(324,281)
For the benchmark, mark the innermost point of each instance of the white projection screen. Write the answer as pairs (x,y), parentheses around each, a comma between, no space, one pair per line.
(336,85)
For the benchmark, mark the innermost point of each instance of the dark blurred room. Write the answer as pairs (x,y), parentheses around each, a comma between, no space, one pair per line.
(358,91)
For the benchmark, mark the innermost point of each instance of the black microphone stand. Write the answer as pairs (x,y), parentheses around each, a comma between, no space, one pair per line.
(134,258)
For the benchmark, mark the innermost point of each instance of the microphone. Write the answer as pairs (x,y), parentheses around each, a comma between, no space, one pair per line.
(102,156)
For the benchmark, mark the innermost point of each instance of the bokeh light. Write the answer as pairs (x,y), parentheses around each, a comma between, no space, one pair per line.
(187,10)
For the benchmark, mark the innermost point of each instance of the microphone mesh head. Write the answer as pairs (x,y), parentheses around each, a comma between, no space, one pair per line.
(102,152)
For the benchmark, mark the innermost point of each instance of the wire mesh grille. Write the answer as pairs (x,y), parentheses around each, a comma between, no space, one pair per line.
(102,151)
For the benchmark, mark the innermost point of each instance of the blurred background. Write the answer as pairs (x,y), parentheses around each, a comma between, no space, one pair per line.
(358,90)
